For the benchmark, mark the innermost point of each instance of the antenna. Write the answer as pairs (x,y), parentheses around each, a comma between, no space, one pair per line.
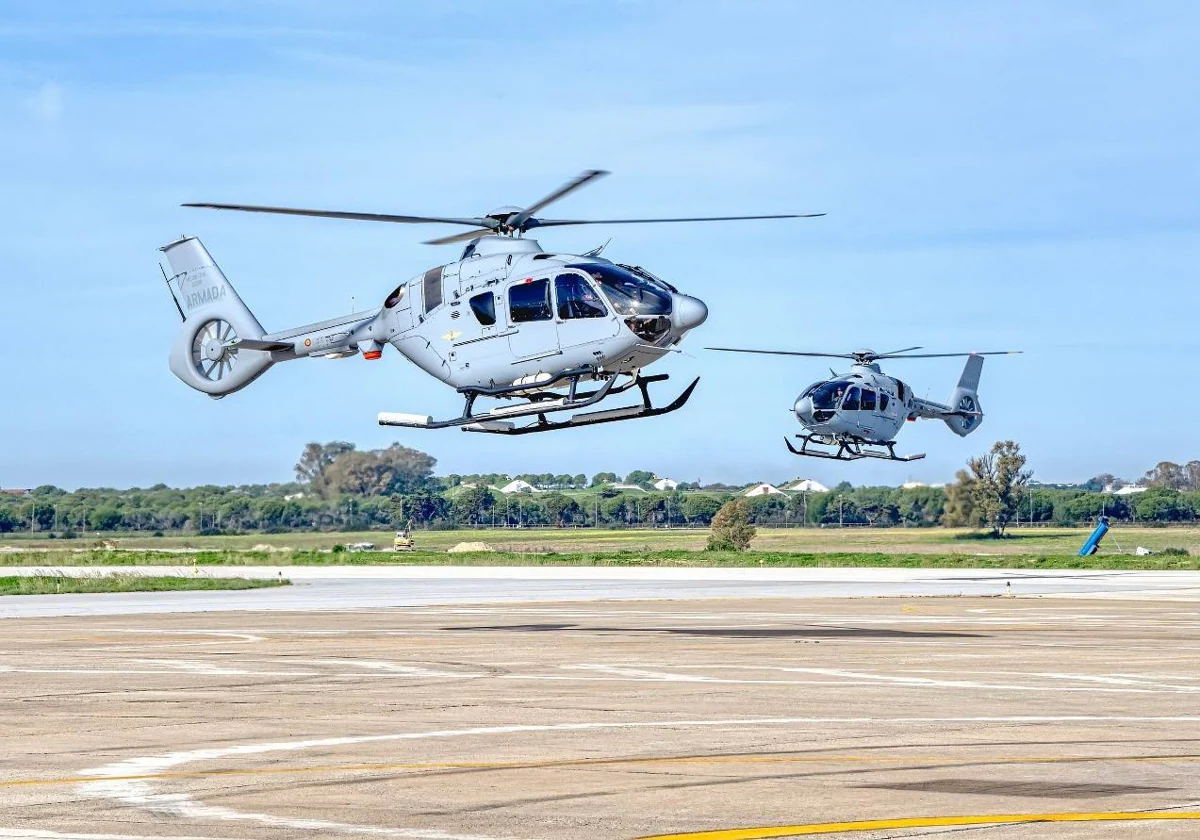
(167,280)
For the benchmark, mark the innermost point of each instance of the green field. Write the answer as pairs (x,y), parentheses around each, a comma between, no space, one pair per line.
(902,541)
(54,585)
(900,547)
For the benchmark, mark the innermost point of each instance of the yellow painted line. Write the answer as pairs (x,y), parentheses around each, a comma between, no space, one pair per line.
(809,829)
(532,764)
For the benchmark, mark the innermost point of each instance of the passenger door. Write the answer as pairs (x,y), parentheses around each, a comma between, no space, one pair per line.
(580,312)
(534,333)
(868,414)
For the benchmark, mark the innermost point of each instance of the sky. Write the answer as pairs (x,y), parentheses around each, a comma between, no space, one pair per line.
(997,175)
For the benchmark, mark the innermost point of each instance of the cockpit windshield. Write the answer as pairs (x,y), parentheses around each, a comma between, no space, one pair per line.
(629,294)
(827,395)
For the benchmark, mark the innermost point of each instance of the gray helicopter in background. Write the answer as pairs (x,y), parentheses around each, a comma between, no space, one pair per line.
(861,412)
(552,332)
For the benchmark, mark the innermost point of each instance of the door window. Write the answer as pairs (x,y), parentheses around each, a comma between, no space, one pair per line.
(484,307)
(883,401)
(576,298)
(530,301)
(433,289)
(868,400)
(852,400)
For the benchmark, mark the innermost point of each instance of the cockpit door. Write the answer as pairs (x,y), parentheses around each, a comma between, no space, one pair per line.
(530,310)
(580,311)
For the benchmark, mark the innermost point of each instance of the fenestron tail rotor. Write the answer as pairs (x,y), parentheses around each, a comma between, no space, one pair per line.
(510,221)
(214,353)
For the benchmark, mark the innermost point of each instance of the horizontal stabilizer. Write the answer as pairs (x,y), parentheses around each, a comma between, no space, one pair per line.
(266,346)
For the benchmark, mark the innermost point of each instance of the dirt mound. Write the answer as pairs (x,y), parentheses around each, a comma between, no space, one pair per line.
(464,547)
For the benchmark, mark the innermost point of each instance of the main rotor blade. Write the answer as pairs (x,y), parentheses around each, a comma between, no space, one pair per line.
(781,352)
(561,222)
(894,352)
(517,222)
(949,355)
(338,214)
(458,237)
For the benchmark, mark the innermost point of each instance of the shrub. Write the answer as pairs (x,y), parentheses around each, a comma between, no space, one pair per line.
(731,528)
(1174,551)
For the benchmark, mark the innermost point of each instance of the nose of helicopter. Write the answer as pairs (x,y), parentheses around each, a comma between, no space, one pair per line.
(804,410)
(687,312)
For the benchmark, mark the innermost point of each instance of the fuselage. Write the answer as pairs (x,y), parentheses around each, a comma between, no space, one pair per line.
(864,404)
(508,312)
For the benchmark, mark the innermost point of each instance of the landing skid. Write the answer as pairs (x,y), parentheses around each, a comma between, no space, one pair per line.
(543,404)
(848,449)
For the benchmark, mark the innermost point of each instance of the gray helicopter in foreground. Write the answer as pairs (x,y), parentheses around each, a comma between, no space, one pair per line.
(506,321)
(862,411)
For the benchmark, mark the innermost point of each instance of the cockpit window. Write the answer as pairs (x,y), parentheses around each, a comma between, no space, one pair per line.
(576,298)
(628,293)
(827,395)
(868,400)
(529,301)
(643,273)
(395,297)
(484,307)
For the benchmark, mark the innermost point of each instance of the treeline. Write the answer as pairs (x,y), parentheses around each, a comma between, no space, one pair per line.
(341,488)
(268,508)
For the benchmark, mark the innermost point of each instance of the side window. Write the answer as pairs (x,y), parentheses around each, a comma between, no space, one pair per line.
(395,297)
(433,289)
(883,401)
(868,400)
(851,402)
(484,307)
(529,301)
(576,298)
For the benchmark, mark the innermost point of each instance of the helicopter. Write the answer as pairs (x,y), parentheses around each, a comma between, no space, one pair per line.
(861,412)
(551,333)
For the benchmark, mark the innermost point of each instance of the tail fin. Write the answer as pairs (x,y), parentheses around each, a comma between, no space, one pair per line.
(965,399)
(205,355)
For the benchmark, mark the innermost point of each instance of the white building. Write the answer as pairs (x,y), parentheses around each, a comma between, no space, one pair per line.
(666,484)
(291,497)
(1129,490)
(518,486)
(806,485)
(911,485)
(763,489)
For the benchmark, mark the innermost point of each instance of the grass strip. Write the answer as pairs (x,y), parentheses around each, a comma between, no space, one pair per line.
(55,584)
(628,558)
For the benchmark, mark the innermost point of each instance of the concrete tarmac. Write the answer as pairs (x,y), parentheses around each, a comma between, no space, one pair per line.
(370,587)
(728,718)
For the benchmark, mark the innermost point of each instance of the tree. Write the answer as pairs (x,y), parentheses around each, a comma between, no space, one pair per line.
(700,507)
(1173,476)
(995,484)
(316,458)
(960,502)
(731,528)
(474,505)
(1103,483)
(640,478)
(604,478)
(560,509)
(379,472)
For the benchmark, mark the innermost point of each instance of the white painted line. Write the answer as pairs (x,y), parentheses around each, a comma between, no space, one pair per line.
(113,782)
(393,668)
